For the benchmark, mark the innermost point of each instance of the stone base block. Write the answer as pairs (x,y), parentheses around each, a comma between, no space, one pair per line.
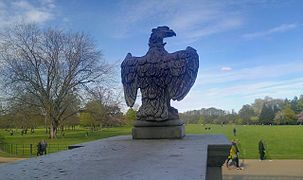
(168,132)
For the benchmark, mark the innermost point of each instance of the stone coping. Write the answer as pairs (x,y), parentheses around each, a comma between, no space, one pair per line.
(122,158)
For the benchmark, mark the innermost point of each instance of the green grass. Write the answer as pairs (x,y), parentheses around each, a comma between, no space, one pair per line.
(282,142)
(71,137)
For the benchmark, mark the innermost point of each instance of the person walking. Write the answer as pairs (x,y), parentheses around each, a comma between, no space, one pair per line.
(261,150)
(39,149)
(235,131)
(44,146)
(233,155)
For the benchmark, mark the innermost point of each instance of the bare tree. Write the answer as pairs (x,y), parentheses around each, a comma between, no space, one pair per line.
(53,65)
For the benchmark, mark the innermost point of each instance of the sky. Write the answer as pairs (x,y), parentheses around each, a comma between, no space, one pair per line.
(248,49)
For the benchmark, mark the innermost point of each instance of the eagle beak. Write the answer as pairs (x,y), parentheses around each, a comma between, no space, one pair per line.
(173,33)
(170,33)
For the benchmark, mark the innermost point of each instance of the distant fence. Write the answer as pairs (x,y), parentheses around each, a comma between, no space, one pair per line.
(30,149)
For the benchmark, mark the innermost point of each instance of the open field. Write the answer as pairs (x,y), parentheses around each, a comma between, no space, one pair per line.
(282,142)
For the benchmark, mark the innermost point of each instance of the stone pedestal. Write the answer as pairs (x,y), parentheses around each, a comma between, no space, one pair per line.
(171,129)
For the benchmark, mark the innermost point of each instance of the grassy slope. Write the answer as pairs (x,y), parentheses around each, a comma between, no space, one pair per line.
(282,142)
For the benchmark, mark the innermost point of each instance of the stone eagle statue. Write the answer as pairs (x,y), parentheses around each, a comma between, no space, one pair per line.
(161,76)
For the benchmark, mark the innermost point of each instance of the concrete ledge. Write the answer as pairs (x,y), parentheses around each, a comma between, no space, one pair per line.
(216,156)
(121,158)
(168,132)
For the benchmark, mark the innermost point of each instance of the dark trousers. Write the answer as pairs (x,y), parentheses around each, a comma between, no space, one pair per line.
(262,155)
(236,160)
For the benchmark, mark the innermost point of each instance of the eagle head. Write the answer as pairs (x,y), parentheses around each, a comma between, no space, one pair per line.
(158,34)
(163,31)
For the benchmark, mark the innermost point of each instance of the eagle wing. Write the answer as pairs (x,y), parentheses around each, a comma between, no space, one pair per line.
(129,78)
(183,68)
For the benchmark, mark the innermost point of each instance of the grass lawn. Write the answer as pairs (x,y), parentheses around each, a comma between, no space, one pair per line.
(70,137)
(282,142)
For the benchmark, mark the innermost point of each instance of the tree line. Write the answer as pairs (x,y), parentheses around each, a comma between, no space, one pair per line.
(267,111)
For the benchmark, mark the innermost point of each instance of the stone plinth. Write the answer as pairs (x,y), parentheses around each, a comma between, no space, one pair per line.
(171,132)
(122,158)
(171,129)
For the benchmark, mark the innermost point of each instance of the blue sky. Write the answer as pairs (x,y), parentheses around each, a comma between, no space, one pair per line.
(248,49)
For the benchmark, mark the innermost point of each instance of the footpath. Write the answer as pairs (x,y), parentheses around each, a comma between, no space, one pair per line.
(9,159)
(265,170)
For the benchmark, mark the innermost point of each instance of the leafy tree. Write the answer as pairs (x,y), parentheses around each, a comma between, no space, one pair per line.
(245,113)
(267,115)
(300,118)
(294,104)
(240,121)
(279,118)
(97,114)
(130,116)
(254,120)
(257,106)
(201,120)
(289,115)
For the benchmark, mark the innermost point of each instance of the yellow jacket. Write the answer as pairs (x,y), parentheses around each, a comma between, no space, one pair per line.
(233,153)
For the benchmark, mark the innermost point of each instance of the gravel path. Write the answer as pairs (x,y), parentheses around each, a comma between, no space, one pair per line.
(267,170)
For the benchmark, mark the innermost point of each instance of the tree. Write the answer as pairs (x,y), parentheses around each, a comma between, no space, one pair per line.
(102,109)
(300,118)
(130,116)
(294,103)
(52,65)
(254,119)
(246,112)
(279,118)
(96,113)
(267,114)
(258,105)
(289,115)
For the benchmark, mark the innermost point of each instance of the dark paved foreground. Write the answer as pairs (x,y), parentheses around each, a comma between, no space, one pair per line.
(121,158)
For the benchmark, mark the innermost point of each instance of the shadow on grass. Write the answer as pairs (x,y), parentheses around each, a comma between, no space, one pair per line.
(260,177)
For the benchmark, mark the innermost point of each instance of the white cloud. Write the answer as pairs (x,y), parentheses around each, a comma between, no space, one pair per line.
(37,16)
(22,4)
(266,88)
(249,73)
(279,29)
(234,96)
(231,89)
(39,11)
(226,69)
